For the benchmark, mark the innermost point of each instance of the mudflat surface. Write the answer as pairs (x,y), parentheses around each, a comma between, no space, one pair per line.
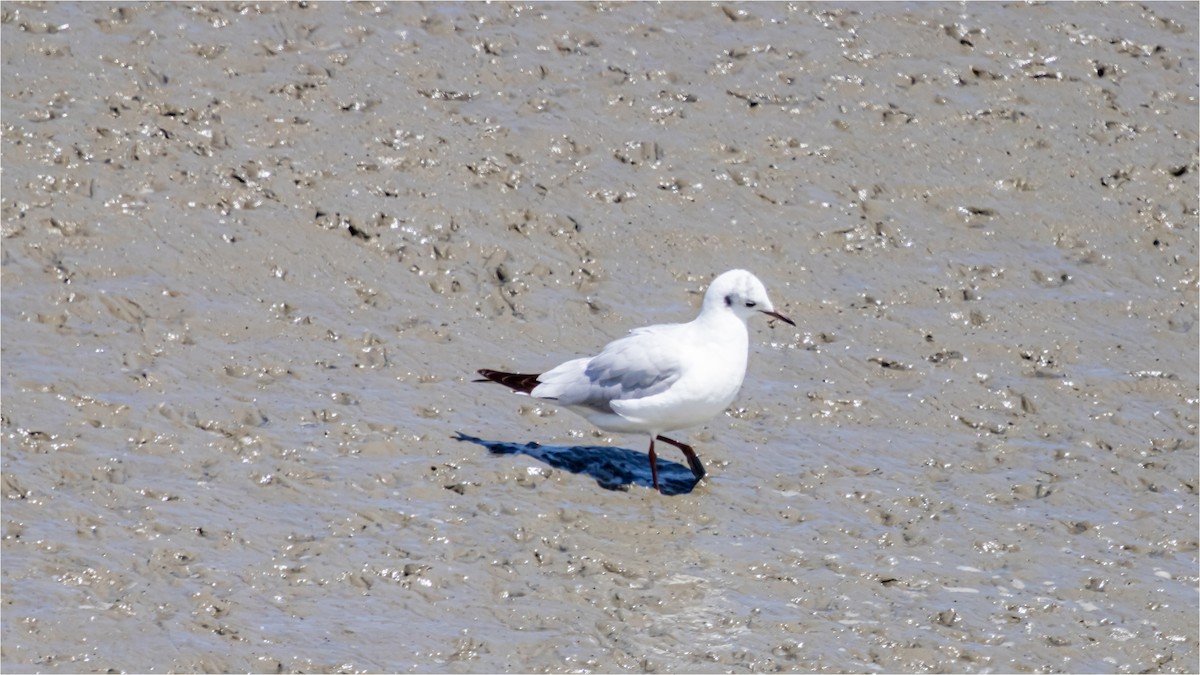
(252,255)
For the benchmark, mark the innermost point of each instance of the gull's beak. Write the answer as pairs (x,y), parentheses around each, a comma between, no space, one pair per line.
(779,316)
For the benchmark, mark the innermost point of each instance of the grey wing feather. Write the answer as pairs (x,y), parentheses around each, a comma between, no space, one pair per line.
(628,369)
(632,367)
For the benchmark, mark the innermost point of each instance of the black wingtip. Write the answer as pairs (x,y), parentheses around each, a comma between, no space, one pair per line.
(521,382)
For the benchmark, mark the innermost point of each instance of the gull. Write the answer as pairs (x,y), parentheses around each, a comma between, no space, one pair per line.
(660,378)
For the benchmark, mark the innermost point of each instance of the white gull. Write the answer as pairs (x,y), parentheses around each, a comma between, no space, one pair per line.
(660,378)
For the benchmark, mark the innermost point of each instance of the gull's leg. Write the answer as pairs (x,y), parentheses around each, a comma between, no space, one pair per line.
(693,460)
(653,464)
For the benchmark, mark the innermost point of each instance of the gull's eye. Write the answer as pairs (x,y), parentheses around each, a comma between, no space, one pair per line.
(751,303)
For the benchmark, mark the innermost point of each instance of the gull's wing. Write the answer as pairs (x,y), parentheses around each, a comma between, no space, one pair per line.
(641,364)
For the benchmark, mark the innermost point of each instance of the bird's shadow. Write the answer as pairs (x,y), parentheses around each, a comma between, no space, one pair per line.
(612,468)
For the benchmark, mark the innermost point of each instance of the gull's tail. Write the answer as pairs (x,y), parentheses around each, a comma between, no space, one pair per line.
(523,383)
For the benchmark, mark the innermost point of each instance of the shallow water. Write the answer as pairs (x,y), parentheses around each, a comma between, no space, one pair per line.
(252,256)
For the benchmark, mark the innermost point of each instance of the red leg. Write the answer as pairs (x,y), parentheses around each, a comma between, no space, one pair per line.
(653,464)
(693,460)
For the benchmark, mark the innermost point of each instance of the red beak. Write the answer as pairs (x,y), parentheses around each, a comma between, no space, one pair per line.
(781,317)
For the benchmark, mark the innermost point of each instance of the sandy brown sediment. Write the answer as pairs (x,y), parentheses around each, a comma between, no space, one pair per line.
(253,254)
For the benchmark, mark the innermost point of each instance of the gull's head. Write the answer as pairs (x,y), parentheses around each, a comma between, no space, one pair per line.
(740,292)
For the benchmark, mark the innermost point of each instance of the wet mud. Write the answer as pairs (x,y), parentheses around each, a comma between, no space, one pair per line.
(253,254)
